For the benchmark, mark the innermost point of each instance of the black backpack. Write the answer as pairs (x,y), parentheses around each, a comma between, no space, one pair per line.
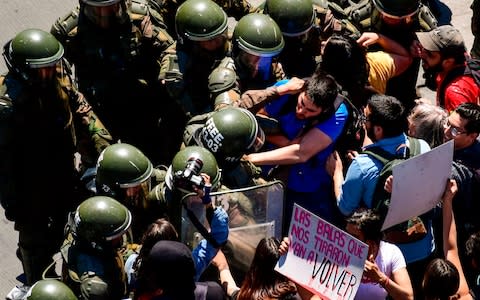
(408,231)
(353,132)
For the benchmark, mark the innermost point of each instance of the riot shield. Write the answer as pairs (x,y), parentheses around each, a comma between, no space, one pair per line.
(254,213)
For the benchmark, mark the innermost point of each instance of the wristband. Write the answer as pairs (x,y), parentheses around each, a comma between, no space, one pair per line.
(206,196)
(384,283)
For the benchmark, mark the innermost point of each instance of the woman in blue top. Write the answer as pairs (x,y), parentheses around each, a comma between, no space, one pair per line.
(309,128)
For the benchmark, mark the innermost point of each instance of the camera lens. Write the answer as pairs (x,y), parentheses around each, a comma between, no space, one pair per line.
(194,165)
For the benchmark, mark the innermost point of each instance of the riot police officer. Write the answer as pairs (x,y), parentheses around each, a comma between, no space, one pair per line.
(126,174)
(229,133)
(296,19)
(257,41)
(183,176)
(116,49)
(50,289)
(202,39)
(93,264)
(40,106)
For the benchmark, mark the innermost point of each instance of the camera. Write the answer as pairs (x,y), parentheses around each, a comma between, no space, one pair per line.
(190,176)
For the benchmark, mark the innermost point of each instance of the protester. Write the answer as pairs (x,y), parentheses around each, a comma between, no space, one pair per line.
(261,281)
(385,273)
(348,61)
(385,122)
(463,127)
(169,272)
(472,247)
(159,230)
(309,131)
(427,122)
(444,278)
(442,51)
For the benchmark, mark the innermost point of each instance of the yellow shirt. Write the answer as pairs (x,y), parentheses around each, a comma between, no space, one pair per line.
(382,68)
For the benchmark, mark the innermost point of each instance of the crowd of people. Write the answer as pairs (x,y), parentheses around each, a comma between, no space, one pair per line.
(133,113)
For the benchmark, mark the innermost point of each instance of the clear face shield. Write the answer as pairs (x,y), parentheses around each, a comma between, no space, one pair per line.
(135,195)
(46,74)
(35,73)
(258,66)
(258,142)
(106,16)
(215,47)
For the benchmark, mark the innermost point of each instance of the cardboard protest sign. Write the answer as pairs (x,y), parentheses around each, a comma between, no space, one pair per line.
(418,184)
(323,258)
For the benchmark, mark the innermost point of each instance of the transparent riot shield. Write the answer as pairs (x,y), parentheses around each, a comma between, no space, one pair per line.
(254,213)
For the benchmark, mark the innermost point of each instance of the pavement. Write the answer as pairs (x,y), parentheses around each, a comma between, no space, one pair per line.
(18,15)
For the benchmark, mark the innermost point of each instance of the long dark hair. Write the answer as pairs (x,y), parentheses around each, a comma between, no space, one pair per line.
(346,61)
(160,229)
(261,280)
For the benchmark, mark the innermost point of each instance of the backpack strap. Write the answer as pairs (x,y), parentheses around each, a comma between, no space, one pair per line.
(414,146)
(384,156)
(379,154)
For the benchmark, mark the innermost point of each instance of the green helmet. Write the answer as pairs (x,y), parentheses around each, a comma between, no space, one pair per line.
(230,133)
(294,17)
(259,35)
(186,167)
(100,3)
(105,13)
(32,49)
(200,20)
(101,219)
(122,166)
(397,8)
(50,289)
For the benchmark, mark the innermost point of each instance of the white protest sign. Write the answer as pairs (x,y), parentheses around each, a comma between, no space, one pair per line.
(418,184)
(322,258)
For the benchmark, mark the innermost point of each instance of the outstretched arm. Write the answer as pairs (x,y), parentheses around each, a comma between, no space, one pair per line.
(255,100)
(310,144)
(226,278)
(450,247)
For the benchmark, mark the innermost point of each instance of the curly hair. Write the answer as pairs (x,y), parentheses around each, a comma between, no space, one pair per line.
(426,122)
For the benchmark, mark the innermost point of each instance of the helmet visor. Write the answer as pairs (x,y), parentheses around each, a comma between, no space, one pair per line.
(106,16)
(135,196)
(258,142)
(258,66)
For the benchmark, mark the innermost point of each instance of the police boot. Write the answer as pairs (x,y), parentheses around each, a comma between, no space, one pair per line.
(34,263)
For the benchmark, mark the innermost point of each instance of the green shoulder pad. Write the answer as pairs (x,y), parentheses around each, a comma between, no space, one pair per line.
(227,62)
(337,11)
(321,8)
(426,19)
(66,25)
(361,12)
(139,7)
